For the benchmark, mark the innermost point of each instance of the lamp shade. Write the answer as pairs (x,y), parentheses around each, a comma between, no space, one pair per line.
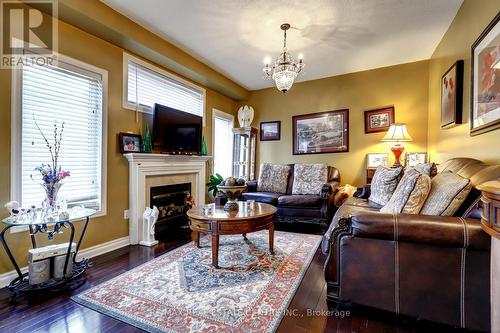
(397,133)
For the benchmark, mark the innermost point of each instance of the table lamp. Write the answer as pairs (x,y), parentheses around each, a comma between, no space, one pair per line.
(397,133)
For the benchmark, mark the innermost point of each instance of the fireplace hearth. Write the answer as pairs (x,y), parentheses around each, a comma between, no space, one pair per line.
(173,202)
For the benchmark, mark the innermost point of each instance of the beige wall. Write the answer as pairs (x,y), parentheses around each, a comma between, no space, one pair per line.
(404,86)
(80,45)
(471,20)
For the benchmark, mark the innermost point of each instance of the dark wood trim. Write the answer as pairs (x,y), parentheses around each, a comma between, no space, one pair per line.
(496,124)
(385,109)
(277,138)
(459,68)
(345,113)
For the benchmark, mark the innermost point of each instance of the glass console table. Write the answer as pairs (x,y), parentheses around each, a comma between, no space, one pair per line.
(41,225)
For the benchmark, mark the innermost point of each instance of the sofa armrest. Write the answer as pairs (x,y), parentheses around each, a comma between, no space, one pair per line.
(329,189)
(363,192)
(252,185)
(443,231)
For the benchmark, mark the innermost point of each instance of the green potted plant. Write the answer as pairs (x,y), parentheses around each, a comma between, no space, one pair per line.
(213,191)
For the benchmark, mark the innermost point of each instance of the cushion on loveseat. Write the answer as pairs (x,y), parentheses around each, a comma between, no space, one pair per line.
(300,200)
(309,178)
(384,183)
(273,178)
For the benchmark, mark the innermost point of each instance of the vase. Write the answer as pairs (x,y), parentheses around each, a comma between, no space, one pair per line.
(231,193)
(51,193)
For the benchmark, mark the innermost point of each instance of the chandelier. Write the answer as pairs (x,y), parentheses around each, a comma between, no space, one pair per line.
(285,69)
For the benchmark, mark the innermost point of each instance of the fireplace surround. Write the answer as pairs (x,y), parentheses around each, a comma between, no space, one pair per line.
(147,171)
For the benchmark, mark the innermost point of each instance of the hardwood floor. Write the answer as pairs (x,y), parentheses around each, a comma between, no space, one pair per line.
(56,312)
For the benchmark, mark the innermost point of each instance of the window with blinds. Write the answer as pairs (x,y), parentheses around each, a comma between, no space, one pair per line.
(74,96)
(222,143)
(147,86)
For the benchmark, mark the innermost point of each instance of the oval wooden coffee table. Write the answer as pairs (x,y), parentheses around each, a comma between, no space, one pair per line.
(222,222)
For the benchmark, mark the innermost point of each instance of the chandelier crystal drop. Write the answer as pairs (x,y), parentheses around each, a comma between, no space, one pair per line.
(285,69)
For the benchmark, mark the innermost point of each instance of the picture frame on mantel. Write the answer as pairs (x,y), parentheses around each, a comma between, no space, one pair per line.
(321,132)
(485,80)
(451,95)
(130,143)
(379,120)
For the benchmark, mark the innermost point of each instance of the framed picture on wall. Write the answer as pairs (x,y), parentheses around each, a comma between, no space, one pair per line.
(130,143)
(270,130)
(451,94)
(379,120)
(374,160)
(322,132)
(485,77)
(412,159)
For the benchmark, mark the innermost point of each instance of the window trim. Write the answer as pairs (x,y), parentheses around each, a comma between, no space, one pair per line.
(225,115)
(16,126)
(126,105)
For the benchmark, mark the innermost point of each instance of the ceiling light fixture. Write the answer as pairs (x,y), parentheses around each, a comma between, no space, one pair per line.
(285,69)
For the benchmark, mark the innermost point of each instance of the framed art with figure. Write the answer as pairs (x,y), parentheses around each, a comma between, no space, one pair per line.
(130,143)
(379,120)
(485,77)
(322,132)
(451,95)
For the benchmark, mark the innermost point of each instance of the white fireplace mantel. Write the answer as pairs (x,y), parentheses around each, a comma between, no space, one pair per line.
(143,165)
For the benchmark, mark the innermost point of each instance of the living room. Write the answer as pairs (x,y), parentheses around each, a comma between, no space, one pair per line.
(250,166)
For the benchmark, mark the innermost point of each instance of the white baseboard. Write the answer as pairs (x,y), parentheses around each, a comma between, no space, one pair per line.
(89,252)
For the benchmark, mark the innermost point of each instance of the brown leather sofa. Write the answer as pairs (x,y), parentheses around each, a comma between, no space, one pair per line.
(303,208)
(429,267)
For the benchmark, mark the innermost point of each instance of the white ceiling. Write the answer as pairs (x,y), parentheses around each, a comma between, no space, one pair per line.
(335,36)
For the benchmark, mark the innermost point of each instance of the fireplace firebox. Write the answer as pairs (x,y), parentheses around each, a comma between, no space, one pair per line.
(173,202)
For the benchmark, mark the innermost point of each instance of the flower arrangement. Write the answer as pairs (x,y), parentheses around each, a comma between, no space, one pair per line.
(52,173)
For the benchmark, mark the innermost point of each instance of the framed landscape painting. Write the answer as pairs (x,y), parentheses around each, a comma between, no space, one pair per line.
(485,85)
(379,120)
(319,133)
(451,95)
(270,130)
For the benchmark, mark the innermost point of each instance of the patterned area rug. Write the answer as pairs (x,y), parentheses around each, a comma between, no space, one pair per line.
(181,292)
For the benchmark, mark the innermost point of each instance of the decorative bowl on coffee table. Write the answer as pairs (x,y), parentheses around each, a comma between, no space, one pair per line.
(232,194)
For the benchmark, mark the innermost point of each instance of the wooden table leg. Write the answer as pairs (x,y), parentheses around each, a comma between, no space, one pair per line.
(215,251)
(196,236)
(271,239)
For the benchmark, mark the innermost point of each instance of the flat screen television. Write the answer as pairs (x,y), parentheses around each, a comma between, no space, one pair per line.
(176,132)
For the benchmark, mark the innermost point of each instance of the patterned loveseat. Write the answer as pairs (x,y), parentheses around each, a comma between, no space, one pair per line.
(281,186)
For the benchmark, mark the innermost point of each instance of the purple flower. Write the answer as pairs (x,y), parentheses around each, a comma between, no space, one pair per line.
(63,174)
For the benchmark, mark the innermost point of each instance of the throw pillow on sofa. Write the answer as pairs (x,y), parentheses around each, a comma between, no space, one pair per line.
(273,178)
(428,169)
(309,178)
(384,183)
(448,192)
(410,194)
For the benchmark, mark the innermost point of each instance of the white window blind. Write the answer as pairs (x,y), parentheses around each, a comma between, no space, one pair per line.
(145,87)
(74,96)
(223,144)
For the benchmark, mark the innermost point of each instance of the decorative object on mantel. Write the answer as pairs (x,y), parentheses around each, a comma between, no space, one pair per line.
(146,143)
(245,116)
(149,217)
(451,94)
(204,151)
(285,69)
(130,143)
(379,120)
(232,188)
(52,174)
(485,85)
(397,133)
(322,132)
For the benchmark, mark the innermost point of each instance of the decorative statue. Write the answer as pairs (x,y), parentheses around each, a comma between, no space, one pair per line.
(149,218)
(13,208)
(245,116)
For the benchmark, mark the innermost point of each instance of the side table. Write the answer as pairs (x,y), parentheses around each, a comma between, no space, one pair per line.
(42,225)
